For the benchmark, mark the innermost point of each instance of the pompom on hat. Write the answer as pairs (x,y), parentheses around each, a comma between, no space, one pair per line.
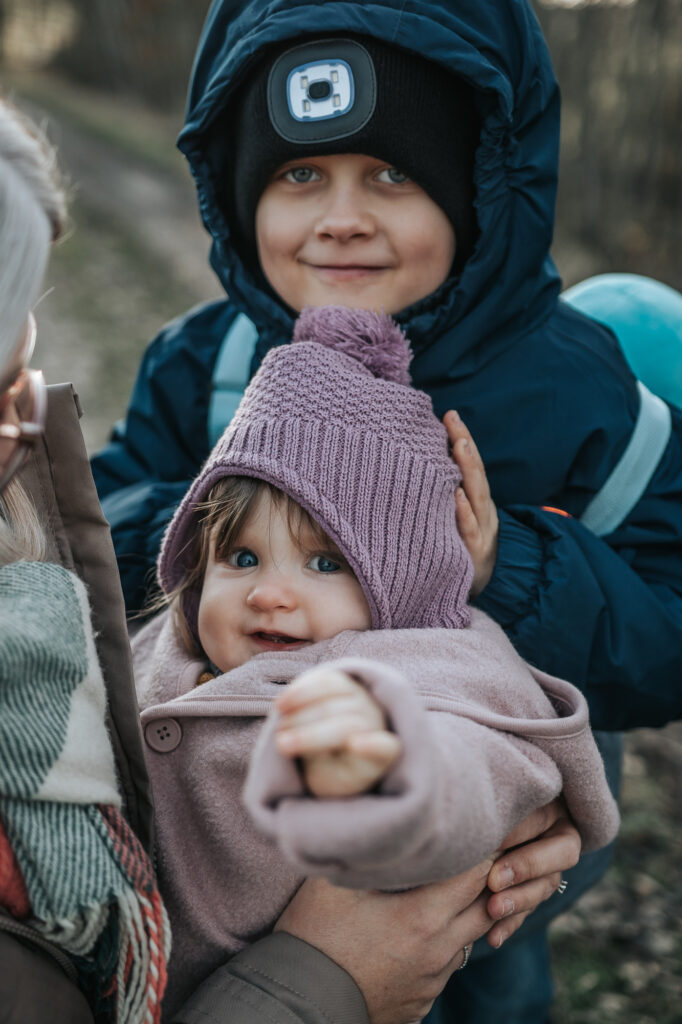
(374,340)
(333,422)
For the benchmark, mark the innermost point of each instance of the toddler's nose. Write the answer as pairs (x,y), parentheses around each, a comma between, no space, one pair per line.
(270,595)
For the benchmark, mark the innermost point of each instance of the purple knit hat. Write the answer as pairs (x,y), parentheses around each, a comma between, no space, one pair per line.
(333,422)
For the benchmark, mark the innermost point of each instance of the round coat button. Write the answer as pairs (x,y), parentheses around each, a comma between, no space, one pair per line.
(163,735)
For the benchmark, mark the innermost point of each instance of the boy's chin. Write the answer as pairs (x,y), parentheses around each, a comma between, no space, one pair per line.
(353,295)
(353,302)
(373,301)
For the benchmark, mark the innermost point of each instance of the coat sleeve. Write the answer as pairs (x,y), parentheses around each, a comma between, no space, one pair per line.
(602,612)
(34,988)
(280,979)
(465,779)
(605,613)
(152,456)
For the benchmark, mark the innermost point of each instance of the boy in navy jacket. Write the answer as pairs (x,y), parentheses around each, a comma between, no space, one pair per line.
(309,137)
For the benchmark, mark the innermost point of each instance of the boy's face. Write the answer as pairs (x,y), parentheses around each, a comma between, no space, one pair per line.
(350,230)
(275,593)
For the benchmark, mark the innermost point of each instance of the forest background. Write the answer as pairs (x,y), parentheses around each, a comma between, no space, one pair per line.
(108,80)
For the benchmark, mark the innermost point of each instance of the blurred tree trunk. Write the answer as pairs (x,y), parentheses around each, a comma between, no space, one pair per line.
(143,46)
(2,29)
(620,72)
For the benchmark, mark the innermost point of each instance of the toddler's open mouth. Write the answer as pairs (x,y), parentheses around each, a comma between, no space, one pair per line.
(277,641)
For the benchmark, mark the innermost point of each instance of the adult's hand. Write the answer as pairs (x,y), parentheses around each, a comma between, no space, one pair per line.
(400,948)
(536,853)
(475,509)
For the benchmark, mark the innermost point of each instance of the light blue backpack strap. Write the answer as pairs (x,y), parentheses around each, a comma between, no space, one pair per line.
(231,374)
(630,477)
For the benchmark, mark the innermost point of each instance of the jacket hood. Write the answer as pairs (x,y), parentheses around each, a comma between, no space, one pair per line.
(510,284)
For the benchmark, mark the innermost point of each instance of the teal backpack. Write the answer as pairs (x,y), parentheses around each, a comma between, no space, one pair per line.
(646,317)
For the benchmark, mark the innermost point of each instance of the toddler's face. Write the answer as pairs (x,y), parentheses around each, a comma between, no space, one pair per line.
(350,230)
(275,593)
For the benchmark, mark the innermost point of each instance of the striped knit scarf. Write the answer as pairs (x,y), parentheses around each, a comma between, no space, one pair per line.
(69,862)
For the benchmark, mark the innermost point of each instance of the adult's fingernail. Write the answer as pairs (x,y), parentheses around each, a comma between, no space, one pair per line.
(505,877)
(454,416)
(508,906)
(500,939)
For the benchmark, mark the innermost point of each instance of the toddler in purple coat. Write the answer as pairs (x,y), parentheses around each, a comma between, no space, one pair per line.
(319,698)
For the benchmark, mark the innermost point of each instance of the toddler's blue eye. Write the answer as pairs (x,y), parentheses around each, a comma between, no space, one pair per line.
(243,559)
(320,563)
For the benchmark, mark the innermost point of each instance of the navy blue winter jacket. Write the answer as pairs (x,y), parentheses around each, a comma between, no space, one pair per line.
(545,391)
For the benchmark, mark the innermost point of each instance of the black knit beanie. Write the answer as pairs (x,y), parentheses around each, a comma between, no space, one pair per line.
(353,94)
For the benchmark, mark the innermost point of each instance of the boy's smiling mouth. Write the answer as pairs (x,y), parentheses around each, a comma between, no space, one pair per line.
(347,271)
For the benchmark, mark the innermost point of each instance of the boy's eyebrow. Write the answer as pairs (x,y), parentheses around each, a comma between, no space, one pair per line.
(288,164)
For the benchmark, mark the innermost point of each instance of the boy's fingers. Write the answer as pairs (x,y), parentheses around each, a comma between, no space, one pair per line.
(458,434)
(455,426)
(474,478)
(467,522)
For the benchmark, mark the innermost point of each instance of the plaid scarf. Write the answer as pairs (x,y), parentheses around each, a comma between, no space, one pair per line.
(69,863)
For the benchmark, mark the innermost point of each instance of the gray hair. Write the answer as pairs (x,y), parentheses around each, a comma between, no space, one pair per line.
(32,215)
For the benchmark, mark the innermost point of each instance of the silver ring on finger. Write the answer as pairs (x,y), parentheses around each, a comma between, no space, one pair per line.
(562,886)
(467,956)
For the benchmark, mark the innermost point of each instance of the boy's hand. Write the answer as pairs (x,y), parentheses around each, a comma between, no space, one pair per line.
(477,519)
(338,730)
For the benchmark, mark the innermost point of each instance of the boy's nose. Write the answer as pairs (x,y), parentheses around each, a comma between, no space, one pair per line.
(345,217)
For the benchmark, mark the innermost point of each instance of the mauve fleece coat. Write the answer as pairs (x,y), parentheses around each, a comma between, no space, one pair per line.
(486,740)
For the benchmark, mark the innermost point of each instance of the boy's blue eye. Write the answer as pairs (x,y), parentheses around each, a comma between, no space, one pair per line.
(321,563)
(300,175)
(393,175)
(243,559)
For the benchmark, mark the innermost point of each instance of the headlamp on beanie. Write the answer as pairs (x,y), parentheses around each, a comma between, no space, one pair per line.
(321,91)
(354,95)
(318,91)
